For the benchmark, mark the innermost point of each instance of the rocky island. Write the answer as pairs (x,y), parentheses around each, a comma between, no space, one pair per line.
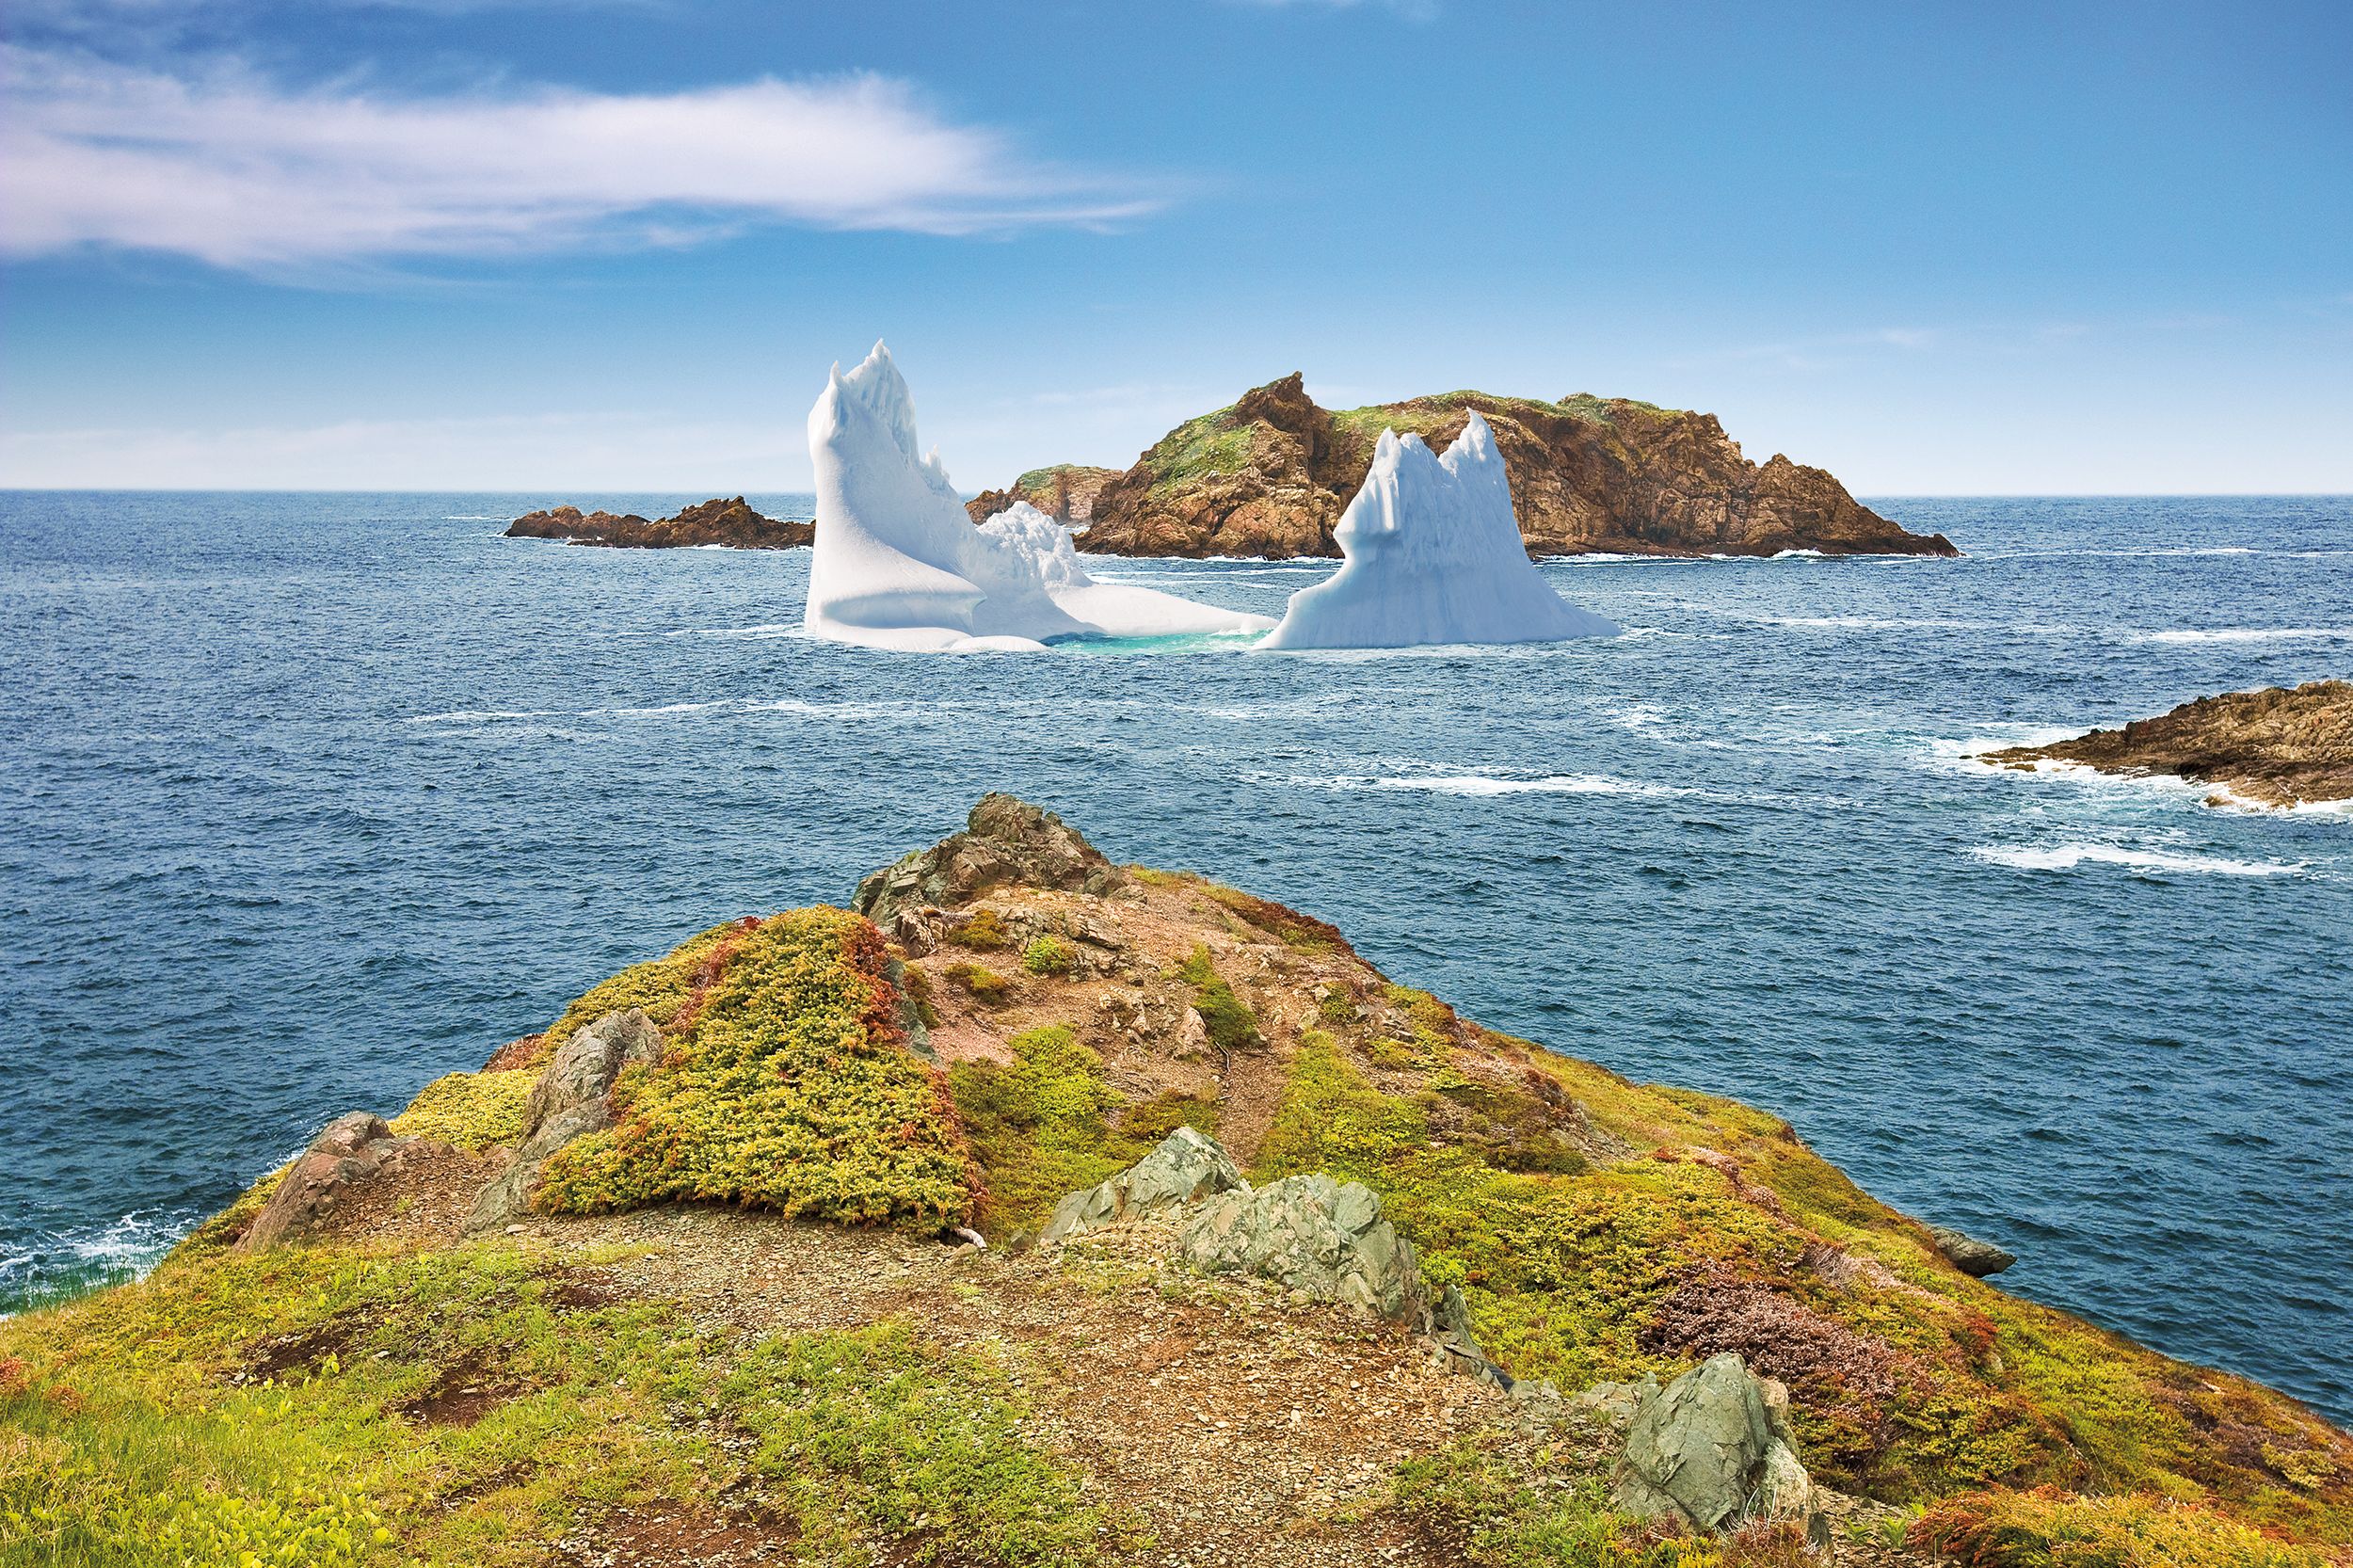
(717,521)
(1038,1210)
(1270,475)
(2276,746)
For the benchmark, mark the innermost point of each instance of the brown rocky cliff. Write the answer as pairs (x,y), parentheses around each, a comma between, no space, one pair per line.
(1271,475)
(1065,492)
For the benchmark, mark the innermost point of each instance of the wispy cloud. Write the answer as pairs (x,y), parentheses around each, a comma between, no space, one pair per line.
(226,167)
(587,451)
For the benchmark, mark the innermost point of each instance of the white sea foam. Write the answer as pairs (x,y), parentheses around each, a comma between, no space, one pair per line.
(486,715)
(1488,784)
(2066,857)
(764,630)
(2251,634)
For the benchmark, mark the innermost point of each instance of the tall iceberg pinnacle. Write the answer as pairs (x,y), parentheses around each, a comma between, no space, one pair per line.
(1433,555)
(897,562)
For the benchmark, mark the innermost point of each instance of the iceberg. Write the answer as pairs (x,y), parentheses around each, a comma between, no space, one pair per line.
(1433,555)
(897,562)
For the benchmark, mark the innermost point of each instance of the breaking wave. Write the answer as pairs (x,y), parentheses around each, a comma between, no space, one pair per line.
(2067,857)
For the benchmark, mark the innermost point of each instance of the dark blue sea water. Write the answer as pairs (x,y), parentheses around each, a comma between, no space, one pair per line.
(310,798)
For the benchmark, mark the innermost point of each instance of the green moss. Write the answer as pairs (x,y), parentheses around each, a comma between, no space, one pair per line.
(1049,955)
(1231,1024)
(283,1407)
(922,1444)
(792,1089)
(1210,444)
(1555,1517)
(472,1110)
(1049,1123)
(1144,1126)
(981,985)
(983,933)
(1432,1021)
(128,1440)
(1040,1127)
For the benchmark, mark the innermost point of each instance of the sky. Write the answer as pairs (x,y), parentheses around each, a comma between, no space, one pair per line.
(586,245)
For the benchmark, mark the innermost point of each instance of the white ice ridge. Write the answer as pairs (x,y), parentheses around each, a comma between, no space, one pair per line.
(898,563)
(1434,556)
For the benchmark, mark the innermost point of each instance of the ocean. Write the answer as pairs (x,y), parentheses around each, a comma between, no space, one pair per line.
(310,798)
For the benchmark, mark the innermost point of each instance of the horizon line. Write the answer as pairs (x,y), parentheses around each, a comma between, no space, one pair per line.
(746,491)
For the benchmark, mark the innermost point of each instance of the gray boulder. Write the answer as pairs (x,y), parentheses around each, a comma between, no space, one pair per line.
(1186,1167)
(568,1100)
(354,1148)
(1317,1236)
(1713,1449)
(1005,840)
(1969,1256)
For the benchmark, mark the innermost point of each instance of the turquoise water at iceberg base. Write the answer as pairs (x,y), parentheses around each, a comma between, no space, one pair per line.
(311,798)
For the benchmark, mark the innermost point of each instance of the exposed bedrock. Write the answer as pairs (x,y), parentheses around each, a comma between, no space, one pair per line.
(2279,746)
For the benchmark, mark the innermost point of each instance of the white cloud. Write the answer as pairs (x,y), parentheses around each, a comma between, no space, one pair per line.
(572,452)
(227,168)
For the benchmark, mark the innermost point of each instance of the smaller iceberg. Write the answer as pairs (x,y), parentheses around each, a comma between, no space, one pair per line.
(1433,555)
(897,562)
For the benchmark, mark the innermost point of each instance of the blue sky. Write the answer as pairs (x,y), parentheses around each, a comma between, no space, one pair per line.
(581,247)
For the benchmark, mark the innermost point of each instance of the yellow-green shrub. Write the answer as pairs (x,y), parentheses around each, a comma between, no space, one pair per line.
(790,1088)
(472,1110)
(2046,1529)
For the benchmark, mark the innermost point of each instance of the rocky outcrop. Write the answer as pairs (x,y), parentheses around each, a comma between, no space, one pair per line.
(1005,840)
(1271,475)
(1972,1257)
(1712,1450)
(2276,746)
(355,1148)
(570,1099)
(716,522)
(1324,1239)
(1065,492)
(1186,1167)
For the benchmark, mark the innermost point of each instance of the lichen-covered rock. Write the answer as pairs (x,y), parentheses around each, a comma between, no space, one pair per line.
(1969,1256)
(1713,1449)
(570,1099)
(355,1148)
(1185,1168)
(1323,1238)
(1004,841)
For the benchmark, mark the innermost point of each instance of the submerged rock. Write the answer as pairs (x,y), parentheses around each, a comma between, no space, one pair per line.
(1713,1449)
(1005,840)
(1969,1255)
(1186,1167)
(570,1099)
(354,1148)
(2276,746)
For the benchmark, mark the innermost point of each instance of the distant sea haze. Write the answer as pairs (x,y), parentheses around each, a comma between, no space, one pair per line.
(312,799)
